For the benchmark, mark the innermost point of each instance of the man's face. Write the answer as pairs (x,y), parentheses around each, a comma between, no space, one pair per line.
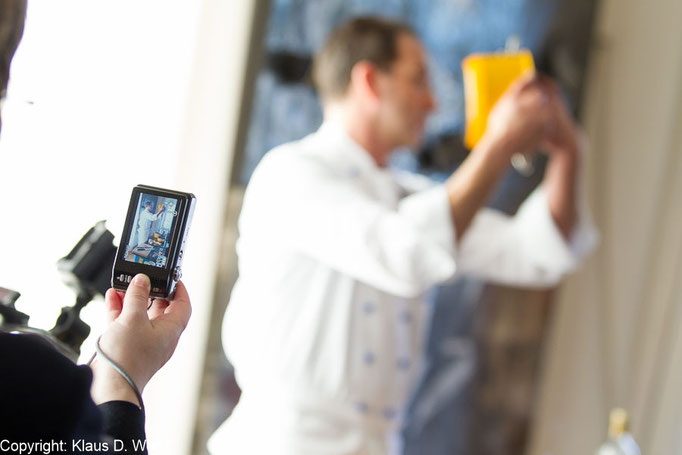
(148,207)
(405,95)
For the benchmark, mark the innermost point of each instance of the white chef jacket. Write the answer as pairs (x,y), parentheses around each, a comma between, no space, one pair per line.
(326,322)
(145,225)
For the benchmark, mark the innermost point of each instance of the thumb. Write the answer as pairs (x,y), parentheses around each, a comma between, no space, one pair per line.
(136,299)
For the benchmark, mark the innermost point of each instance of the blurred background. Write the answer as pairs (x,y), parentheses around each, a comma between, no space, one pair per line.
(190,95)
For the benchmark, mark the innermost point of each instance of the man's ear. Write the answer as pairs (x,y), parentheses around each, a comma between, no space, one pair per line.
(364,80)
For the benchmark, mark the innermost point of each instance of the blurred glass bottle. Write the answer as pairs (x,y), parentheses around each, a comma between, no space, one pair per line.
(620,441)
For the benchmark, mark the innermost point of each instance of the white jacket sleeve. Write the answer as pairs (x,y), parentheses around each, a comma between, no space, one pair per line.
(526,249)
(305,206)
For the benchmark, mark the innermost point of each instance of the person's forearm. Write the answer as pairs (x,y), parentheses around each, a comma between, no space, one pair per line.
(560,183)
(471,185)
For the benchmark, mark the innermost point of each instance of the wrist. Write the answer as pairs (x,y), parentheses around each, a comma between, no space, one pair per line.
(566,155)
(109,385)
(496,150)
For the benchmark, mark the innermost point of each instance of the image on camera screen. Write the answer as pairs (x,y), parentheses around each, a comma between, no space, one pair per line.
(151,230)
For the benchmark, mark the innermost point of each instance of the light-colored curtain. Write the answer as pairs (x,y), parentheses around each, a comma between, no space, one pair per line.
(616,337)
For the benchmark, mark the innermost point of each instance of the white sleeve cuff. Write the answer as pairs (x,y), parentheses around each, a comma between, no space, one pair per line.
(557,256)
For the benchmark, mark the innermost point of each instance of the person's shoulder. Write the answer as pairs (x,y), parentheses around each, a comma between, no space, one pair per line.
(412,182)
(33,356)
(50,395)
(297,157)
(15,345)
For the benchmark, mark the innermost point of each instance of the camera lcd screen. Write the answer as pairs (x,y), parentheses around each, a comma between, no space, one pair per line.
(151,230)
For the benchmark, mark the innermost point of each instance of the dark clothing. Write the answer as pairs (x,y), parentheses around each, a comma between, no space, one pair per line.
(45,399)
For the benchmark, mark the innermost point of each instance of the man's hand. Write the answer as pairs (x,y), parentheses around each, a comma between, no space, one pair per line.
(562,134)
(520,119)
(141,341)
(561,174)
(517,124)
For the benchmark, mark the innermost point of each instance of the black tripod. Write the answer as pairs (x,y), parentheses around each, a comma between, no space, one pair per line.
(87,269)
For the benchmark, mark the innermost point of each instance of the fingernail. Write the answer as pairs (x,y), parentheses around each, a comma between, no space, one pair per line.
(141,280)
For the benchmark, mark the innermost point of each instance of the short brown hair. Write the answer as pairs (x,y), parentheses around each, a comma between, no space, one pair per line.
(12,15)
(363,38)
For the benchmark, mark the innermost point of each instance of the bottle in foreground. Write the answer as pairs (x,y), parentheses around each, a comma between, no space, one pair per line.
(620,441)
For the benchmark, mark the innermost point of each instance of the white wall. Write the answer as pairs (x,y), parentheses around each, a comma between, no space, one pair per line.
(105,95)
(617,337)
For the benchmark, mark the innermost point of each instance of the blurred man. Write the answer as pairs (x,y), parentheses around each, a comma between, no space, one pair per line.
(50,403)
(325,324)
(144,225)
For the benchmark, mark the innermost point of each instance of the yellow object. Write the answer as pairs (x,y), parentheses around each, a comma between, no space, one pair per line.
(618,422)
(486,77)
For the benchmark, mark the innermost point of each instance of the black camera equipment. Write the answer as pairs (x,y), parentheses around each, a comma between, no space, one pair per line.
(86,269)
(10,315)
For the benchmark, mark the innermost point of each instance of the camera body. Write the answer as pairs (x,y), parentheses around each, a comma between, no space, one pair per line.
(154,238)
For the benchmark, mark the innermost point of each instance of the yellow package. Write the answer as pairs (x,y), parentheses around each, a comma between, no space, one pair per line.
(486,77)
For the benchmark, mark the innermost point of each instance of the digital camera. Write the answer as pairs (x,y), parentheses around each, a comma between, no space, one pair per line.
(154,238)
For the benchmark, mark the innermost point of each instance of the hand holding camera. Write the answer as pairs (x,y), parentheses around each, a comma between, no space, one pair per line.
(140,338)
